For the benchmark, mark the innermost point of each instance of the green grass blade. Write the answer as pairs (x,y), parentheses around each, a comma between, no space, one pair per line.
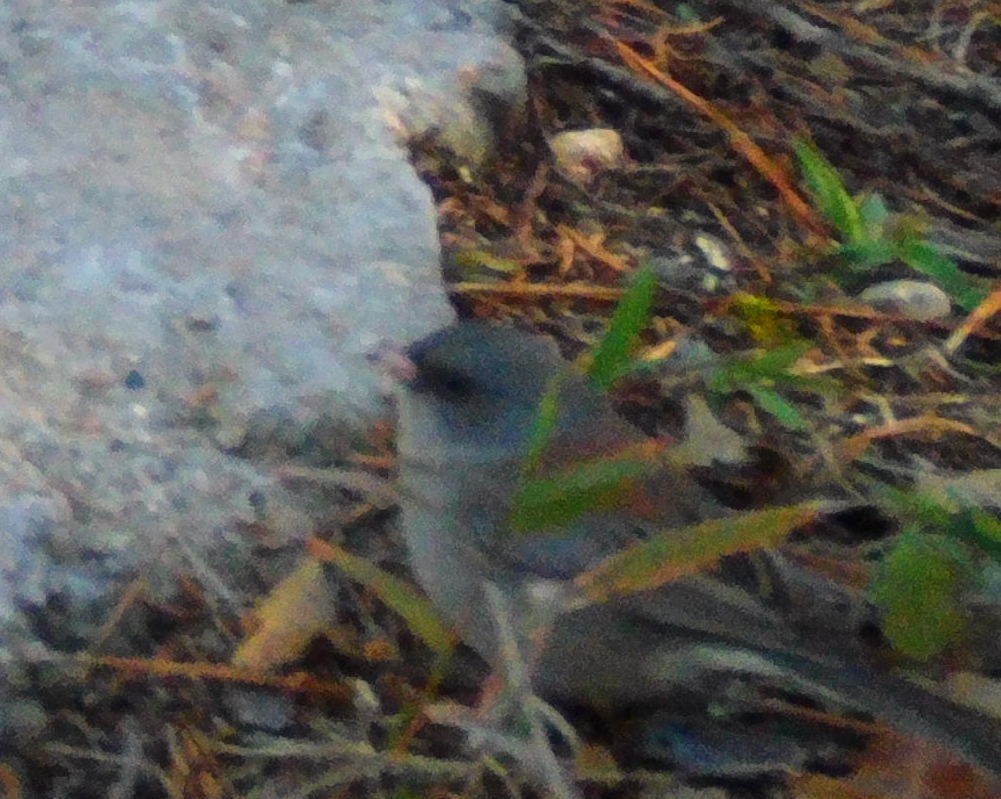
(774,403)
(552,503)
(613,356)
(923,257)
(672,554)
(829,192)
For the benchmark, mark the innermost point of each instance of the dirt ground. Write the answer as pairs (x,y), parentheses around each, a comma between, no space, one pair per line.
(760,277)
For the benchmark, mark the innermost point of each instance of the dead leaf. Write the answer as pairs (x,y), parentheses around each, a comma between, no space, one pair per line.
(672,554)
(296,611)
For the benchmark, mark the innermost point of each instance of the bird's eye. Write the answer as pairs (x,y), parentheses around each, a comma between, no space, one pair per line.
(449,385)
(455,387)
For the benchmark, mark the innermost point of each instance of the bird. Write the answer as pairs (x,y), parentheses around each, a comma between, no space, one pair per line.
(468,404)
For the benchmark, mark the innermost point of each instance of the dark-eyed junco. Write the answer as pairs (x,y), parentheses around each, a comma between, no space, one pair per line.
(467,410)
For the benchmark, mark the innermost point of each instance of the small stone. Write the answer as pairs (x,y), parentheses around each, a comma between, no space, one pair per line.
(915,299)
(263,711)
(716,253)
(582,155)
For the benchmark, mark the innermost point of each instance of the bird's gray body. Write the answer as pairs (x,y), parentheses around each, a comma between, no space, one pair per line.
(465,423)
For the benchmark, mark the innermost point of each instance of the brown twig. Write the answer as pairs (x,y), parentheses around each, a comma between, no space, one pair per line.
(739,140)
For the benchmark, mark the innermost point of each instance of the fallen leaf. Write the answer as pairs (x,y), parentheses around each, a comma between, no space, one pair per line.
(296,611)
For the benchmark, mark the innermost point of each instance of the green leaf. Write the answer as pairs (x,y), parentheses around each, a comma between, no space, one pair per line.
(546,503)
(923,257)
(686,13)
(672,554)
(545,423)
(874,214)
(772,402)
(982,529)
(867,254)
(736,373)
(613,355)
(828,192)
(913,507)
(948,510)
(918,589)
(573,494)
(777,362)
(765,321)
